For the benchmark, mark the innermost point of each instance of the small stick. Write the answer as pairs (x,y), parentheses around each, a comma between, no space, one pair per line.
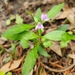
(55,70)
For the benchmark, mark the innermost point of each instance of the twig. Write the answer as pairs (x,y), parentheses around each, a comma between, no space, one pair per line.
(6,50)
(15,70)
(55,70)
(55,64)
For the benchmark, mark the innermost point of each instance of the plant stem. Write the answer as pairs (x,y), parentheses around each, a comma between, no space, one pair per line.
(6,50)
(40,33)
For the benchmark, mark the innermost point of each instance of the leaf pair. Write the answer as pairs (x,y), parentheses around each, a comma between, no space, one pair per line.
(18,19)
(20,32)
(60,34)
(51,13)
(26,37)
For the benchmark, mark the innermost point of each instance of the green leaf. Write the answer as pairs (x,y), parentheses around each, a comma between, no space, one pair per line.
(1,50)
(28,12)
(63,27)
(12,17)
(54,35)
(16,29)
(9,73)
(8,22)
(38,14)
(2,73)
(73,37)
(19,20)
(44,39)
(7,59)
(35,19)
(43,52)
(66,37)
(29,35)
(47,44)
(13,47)
(64,44)
(15,36)
(24,43)
(30,61)
(70,32)
(55,10)
(11,37)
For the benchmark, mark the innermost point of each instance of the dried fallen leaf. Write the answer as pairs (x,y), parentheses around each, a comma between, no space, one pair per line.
(56,48)
(55,64)
(2,40)
(14,65)
(73,9)
(69,14)
(43,72)
(31,73)
(63,15)
(71,56)
(72,73)
(66,72)
(71,19)
(26,4)
(72,45)
(6,2)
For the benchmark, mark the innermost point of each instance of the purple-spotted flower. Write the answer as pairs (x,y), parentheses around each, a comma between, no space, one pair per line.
(44,17)
(39,26)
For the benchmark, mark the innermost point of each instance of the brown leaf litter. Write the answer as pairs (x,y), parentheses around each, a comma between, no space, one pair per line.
(8,67)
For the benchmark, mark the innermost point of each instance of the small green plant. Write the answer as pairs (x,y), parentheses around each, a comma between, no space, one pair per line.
(18,19)
(2,73)
(9,73)
(23,34)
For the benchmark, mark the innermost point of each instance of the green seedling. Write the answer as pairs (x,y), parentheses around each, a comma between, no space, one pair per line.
(18,19)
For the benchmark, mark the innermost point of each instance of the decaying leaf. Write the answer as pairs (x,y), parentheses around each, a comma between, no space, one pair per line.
(31,73)
(73,9)
(71,56)
(67,72)
(43,72)
(6,2)
(63,15)
(71,19)
(72,45)
(14,65)
(56,48)
(69,14)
